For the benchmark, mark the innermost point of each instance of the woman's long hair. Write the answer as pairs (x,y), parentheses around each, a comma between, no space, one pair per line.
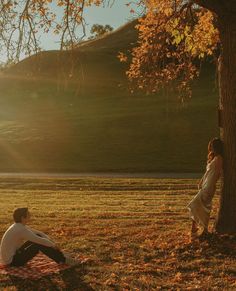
(215,147)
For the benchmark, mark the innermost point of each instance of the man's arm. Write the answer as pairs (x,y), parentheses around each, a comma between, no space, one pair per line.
(40,233)
(29,235)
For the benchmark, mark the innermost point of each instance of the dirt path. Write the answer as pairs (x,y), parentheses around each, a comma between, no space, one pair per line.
(104,175)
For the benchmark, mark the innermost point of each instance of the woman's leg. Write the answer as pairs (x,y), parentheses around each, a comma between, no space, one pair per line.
(194,227)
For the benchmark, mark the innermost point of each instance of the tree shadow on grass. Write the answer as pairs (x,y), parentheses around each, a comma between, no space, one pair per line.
(215,245)
(69,279)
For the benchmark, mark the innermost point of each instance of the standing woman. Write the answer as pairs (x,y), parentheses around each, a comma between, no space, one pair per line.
(200,206)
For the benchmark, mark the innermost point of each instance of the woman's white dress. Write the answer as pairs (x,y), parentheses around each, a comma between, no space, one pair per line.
(200,206)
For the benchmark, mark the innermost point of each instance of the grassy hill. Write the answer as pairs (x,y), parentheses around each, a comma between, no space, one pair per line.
(72,112)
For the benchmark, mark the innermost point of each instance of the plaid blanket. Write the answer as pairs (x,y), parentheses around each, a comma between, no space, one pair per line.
(39,266)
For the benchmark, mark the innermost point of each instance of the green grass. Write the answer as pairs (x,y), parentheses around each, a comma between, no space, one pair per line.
(120,133)
(89,122)
(133,232)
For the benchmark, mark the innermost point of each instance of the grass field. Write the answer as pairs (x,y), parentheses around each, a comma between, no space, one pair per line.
(42,130)
(133,232)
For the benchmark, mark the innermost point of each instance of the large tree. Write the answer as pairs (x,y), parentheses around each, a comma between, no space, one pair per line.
(174,36)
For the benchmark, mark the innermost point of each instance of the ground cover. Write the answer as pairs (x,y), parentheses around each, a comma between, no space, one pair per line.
(131,233)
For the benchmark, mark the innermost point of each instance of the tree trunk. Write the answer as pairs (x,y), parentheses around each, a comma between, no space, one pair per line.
(227,80)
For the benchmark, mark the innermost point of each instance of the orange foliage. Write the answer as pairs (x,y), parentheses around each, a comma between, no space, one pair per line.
(173,37)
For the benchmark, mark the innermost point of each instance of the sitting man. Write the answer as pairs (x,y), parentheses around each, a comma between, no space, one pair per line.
(20,243)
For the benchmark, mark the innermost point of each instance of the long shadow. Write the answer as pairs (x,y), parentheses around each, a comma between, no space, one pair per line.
(72,279)
(69,279)
(222,246)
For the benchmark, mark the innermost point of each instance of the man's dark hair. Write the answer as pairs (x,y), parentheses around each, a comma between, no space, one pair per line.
(19,213)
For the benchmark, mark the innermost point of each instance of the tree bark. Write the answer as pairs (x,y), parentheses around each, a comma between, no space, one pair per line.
(215,6)
(227,82)
(219,7)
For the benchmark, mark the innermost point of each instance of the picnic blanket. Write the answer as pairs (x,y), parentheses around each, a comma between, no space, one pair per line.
(38,267)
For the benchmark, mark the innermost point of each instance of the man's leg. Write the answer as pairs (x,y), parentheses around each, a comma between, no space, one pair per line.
(57,256)
(25,254)
(53,253)
(30,250)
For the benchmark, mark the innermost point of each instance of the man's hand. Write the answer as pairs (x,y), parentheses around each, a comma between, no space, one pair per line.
(57,247)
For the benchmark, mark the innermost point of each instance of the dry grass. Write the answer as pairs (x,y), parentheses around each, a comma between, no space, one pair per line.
(134,234)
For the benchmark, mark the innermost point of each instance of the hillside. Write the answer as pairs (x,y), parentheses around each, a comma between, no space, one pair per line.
(72,112)
(94,58)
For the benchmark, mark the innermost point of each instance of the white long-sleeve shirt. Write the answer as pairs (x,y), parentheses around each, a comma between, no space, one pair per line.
(15,236)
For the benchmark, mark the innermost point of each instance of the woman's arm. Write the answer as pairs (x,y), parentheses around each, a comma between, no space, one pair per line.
(200,183)
(219,166)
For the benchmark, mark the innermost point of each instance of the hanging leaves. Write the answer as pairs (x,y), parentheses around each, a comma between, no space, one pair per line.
(173,35)
(23,22)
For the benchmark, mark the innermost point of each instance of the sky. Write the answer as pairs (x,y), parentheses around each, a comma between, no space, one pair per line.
(116,15)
